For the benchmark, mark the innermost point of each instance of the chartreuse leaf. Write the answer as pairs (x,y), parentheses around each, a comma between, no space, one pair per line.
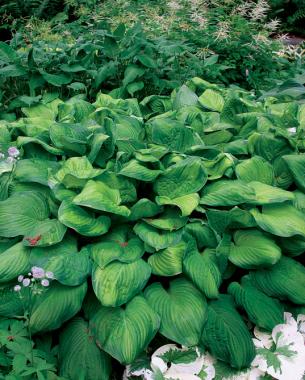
(24,140)
(159,239)
(170,220)
(186,203)
(71,138)
(118,282)
(79,356)
(81,221)
(296,165)
(212,100)
(35,170)
(183,178)
(284,280)
(280,219)
(134,169)
(55,306)
(253,249)
(225,334)
(263,311)
(255,169)
(99,196)
(144,208)
(70,269)
(168,261)
(13,262)
(202,269)
(265,194)
(202,233)
(227,193)
(182,309)
(21,212)
(125,333)
(75,172)
(45,233)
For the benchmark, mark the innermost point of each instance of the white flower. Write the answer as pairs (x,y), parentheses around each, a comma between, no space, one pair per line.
(1,156)
(10,160)
(37,272)
(13,152)
(20,278)
(17,288)
(26,282)
(45,283)
(50,275)
(301,325)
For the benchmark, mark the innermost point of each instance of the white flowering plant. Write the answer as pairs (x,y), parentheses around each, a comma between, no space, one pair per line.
(280,355)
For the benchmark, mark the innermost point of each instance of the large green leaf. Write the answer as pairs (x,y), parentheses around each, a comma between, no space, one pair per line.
(13,262)
(186,203)
(35,170)
(225,334)
(284,280)
(11,305)
(202,269)
(253,249)
(183,178)
(168,262)
(21,212)
(159,239)
(56,306)
(296,165)
(212,100)
(280,219)
(79,356)
(75,172)
(265,194)
(81,221)
(45,233)
(134,169)
(262,310)
(99,196)
(255,169)
(118,282)
(170,220)
(182,309)
(125,333)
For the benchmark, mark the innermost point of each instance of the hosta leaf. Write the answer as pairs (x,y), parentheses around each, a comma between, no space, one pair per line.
(13,262)
(266,194)
(11,304)
(35,170)
(170,220)
(186,203)
(280,219)
(69,137)
(168,262)
(202,269)
(184,97)
(125,333)
(101,197)
(226,335)
(75,172)
(45,233)
(202,233)
(181,299)
(284,280)
(79,356)
(183,178)
(118,282)
(81,221)
(24,140)
(253,249)
(255,169)
(296,165)
(70,269)
(212,100)
(227,193)
(55,306)
(263,311)
(144,208)
(125,186)
(159,239)
(21,212)
(133,169)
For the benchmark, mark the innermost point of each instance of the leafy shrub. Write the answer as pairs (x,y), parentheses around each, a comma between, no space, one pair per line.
(183,213)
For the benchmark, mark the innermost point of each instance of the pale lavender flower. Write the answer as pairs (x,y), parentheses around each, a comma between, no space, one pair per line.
(17,288)
(13,152)
(20,278)
(50,275)
(45,283)
(38,272)
(26,282)
(10,160)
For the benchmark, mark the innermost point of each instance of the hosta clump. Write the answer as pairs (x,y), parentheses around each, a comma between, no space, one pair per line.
(187,224)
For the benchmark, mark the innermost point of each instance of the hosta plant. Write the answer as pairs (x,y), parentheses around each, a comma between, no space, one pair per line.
(177,218)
